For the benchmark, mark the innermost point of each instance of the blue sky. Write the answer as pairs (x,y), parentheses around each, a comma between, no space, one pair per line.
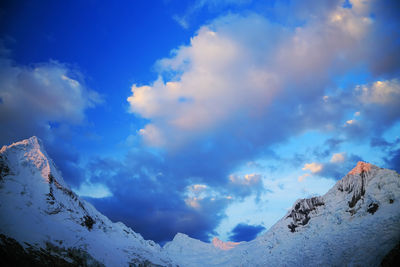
(203,117)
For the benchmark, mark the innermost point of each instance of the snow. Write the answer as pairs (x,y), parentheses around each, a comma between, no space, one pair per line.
(356,223)
(224,245)
(36,206)
(334,234)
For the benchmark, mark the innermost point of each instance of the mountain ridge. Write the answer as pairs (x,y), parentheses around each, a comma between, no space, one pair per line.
(357,222)
(32,188)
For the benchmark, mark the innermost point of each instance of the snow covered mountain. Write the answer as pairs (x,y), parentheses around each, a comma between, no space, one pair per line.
(357,223)
(38,210)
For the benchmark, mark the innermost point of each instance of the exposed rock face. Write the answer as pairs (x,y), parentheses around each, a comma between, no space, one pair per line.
(354,183)
(301,210)
(4,169)
(13,254)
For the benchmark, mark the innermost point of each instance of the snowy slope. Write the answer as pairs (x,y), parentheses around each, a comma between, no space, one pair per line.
(37,207)
(355,224)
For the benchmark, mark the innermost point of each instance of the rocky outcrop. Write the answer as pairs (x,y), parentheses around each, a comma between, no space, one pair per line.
(301,210)
(355,182)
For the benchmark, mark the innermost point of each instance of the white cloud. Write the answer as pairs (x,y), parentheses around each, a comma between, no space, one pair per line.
(246,180)
(93,190)
(380,92)
(303,177)
(338,157)
(193,202)
(31,97)
(198,188)
(235,69)
(313,167)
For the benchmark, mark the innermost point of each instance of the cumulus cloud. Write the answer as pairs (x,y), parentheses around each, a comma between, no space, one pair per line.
(242,84)
(33,97)
(376,103)
(243,77)
(338,157)
(338,166)
(242,186)
(45,99)
(246,180)
(313,167)
(380,92)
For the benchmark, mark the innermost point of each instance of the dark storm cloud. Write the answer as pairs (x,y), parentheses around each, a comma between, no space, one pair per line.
(245,232)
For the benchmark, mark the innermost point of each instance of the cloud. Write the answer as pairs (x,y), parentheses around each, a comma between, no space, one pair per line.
(313,167)
(33,97)
(393,160)
(211,6)
(380,92)
(245,83)
(245,232)
(380,142)
(331,144)
(338,166)
(45,100)
(303,177)
(245,180)
(245,185)
(154,198)
(336,170)
(376,103)
(93,191)
(338,157)
(245,78)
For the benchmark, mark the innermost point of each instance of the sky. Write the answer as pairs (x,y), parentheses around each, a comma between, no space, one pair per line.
(204,117)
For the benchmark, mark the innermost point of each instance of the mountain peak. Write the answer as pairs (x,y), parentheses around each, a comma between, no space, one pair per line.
(32,143)
(30,152)
(360,168)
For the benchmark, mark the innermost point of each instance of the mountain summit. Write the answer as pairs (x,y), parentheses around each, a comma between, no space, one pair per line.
(44,223)
(39,211)
(356,223)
